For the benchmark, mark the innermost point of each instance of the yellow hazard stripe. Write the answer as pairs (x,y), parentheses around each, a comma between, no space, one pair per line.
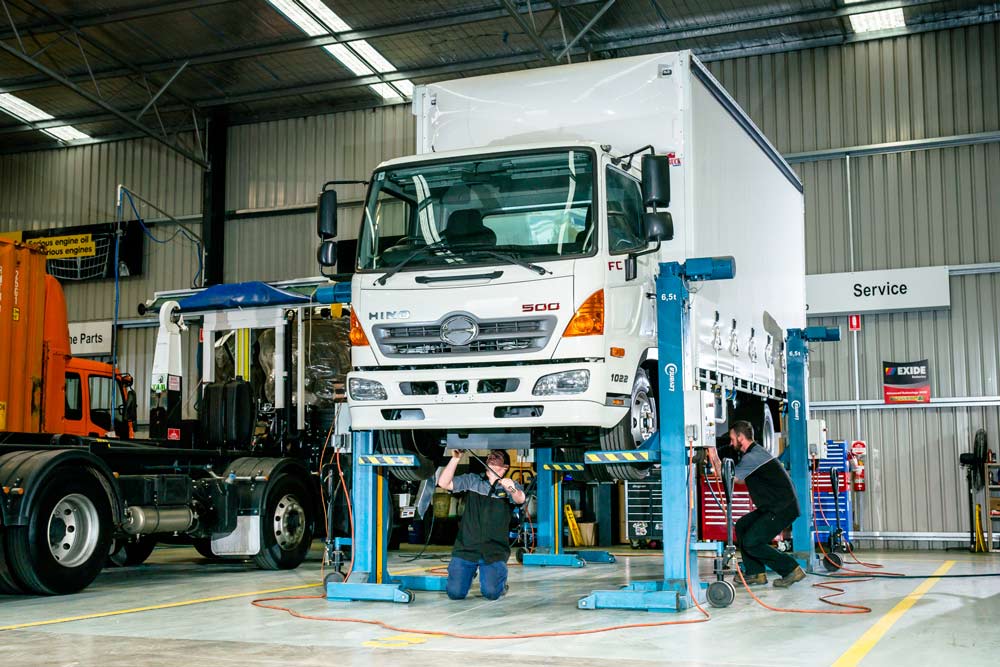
(385,459)
(617,457)
(564,466)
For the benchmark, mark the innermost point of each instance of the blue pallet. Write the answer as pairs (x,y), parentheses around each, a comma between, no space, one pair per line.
(823,505)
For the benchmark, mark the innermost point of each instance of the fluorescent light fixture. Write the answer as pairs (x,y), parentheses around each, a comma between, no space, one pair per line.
(359,56)
(66,133)
(28,112)
(326,15)
(884,20)
(294,13)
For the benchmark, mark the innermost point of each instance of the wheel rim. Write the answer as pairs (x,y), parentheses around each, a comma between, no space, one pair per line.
(289,522)
(643,417)
(73,530)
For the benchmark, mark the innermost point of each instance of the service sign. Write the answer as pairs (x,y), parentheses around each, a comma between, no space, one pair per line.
(878,291)
(90,338)
(906,382)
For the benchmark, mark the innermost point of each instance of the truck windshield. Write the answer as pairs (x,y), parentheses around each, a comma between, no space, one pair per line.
(534,206)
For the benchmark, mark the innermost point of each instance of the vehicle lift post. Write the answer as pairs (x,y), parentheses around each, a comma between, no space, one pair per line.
(797,355)
(668,447)
(549,552)
(370,578)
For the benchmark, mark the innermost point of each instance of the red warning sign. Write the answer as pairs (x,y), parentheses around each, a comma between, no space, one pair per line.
(173,434)
(854,322)
(859,447)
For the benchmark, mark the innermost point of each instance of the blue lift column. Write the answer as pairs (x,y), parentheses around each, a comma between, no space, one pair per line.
(549,519)
(369,577)
(669,447)
(797,355)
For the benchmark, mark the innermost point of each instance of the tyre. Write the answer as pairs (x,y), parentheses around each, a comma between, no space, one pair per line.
(832,562)
(67,538)
(8,585)
(286,524)
(757,411)
(129,554)
(405,442)
(592,473)
(721,593)
(635,427)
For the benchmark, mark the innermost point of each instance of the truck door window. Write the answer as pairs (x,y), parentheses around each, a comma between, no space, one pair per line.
(101,394)
(625,233)
(74,409)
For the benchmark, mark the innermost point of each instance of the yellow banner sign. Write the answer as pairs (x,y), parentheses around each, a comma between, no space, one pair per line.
(65,247)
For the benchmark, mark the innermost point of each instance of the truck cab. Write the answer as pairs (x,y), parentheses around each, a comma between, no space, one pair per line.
(96,401)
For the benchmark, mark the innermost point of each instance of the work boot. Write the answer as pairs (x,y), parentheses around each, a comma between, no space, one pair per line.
(751,579)
(798,574)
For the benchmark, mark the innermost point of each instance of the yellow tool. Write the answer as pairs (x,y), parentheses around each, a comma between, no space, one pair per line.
(574,530)
(980,546)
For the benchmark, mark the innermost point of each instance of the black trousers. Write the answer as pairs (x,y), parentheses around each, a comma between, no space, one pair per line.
(754,533)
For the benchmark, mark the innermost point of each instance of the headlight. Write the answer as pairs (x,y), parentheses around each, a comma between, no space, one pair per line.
(366,390)
(567,382)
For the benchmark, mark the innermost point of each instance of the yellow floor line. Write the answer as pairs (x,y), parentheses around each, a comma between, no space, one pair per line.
(168,605)
(866,643)
(171,605)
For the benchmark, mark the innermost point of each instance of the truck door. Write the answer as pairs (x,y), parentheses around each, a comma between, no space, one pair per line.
(630,313)
(73,422)
(102,404)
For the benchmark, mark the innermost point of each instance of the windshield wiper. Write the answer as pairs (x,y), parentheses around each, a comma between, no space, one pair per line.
(509,257)
(437,245)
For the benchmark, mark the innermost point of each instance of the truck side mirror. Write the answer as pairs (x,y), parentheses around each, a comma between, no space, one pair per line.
(656,180)
(326,215)
(658,226)
(327,253)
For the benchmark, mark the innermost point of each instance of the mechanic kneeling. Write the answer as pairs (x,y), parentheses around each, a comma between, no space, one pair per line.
(777,506)
(482,541)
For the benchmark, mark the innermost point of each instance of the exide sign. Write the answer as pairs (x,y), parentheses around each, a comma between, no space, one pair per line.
(906,382)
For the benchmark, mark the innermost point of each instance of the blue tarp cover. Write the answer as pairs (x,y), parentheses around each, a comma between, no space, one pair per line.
(240,295)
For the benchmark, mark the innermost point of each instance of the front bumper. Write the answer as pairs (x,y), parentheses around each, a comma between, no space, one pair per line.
(474,410)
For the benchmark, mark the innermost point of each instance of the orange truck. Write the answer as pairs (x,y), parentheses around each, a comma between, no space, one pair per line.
(43,388)
(75,486)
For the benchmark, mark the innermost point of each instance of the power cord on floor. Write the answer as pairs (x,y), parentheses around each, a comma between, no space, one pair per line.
(263,603)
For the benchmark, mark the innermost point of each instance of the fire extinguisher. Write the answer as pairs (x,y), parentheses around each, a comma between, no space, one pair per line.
(858,468)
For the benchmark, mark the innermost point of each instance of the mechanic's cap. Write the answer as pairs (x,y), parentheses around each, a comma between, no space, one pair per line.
(498,457)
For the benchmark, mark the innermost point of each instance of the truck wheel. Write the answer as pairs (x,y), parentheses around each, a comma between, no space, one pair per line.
(8,585)
(634,428)
(404,442)
(128,554)
(65,543)
(285,524)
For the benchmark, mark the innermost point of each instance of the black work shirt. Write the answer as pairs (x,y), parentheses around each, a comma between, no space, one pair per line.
(767,480)
(484,531)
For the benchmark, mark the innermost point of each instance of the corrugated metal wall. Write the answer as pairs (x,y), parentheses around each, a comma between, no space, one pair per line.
(77,186)
(285,163)
(921,208)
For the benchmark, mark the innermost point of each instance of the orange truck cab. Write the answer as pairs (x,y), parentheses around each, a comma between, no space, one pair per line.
(43,388)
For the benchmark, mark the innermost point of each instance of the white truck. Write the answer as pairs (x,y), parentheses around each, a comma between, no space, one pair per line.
(504,287)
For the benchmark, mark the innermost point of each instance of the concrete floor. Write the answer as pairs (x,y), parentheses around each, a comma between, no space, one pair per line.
(954,622)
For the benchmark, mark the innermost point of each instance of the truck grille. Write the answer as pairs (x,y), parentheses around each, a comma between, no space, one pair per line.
(494,337)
